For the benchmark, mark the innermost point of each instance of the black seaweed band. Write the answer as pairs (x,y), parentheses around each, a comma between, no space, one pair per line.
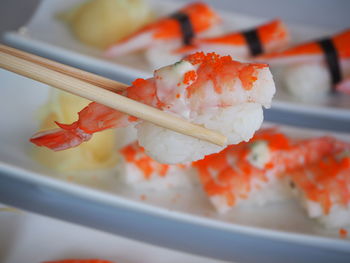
(332,59)
(186,27)
(253,41)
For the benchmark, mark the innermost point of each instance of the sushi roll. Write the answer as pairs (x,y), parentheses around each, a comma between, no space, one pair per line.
(251,173)
(310,71)
(323,189)
(206,89)
(140,171)
(179,28)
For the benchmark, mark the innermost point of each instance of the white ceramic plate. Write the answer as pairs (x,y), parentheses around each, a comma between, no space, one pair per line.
(24,235)
(285,222)
(46,36)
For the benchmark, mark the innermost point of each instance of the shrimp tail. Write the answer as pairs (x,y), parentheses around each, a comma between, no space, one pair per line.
(65,137)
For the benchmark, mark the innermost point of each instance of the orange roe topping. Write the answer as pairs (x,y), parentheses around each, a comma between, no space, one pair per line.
(275,139)
(343,233)
(178,96)
(135,154)
(231,173)
(247,77)
(189,77)
(139,82)
(210,58)
(230,180)
(222,71)
(326,182)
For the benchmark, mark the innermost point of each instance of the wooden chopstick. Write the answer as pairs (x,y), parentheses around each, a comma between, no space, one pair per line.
(37,68)
(94,79)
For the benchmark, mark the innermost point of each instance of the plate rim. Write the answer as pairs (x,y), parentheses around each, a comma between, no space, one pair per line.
(89,193)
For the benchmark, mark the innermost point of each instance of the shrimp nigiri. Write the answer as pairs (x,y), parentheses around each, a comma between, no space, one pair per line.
(206,89)
(309,71)
(180,27)
(323,188)
(252,172)
(239,45)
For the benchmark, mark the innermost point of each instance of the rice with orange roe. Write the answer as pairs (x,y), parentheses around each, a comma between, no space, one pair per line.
(323,189)
(217,92)
(251,173)
(140,171)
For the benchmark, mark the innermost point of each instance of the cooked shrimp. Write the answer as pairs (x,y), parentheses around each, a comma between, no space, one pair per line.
(189,21)
(206,89)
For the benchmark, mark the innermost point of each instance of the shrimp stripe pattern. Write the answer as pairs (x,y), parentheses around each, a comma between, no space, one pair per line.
(332,59)
(186,27)
(253,41)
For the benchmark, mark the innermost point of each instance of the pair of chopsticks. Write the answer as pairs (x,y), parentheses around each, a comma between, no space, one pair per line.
(98,89)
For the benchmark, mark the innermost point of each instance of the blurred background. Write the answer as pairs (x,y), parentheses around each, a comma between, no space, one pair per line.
(330,13)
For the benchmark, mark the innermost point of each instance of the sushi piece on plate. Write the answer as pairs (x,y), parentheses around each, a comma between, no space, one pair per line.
(140,171)
(243,45)
(311,70)
(251,173)
(216,92)
(179,28)
(323,189)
